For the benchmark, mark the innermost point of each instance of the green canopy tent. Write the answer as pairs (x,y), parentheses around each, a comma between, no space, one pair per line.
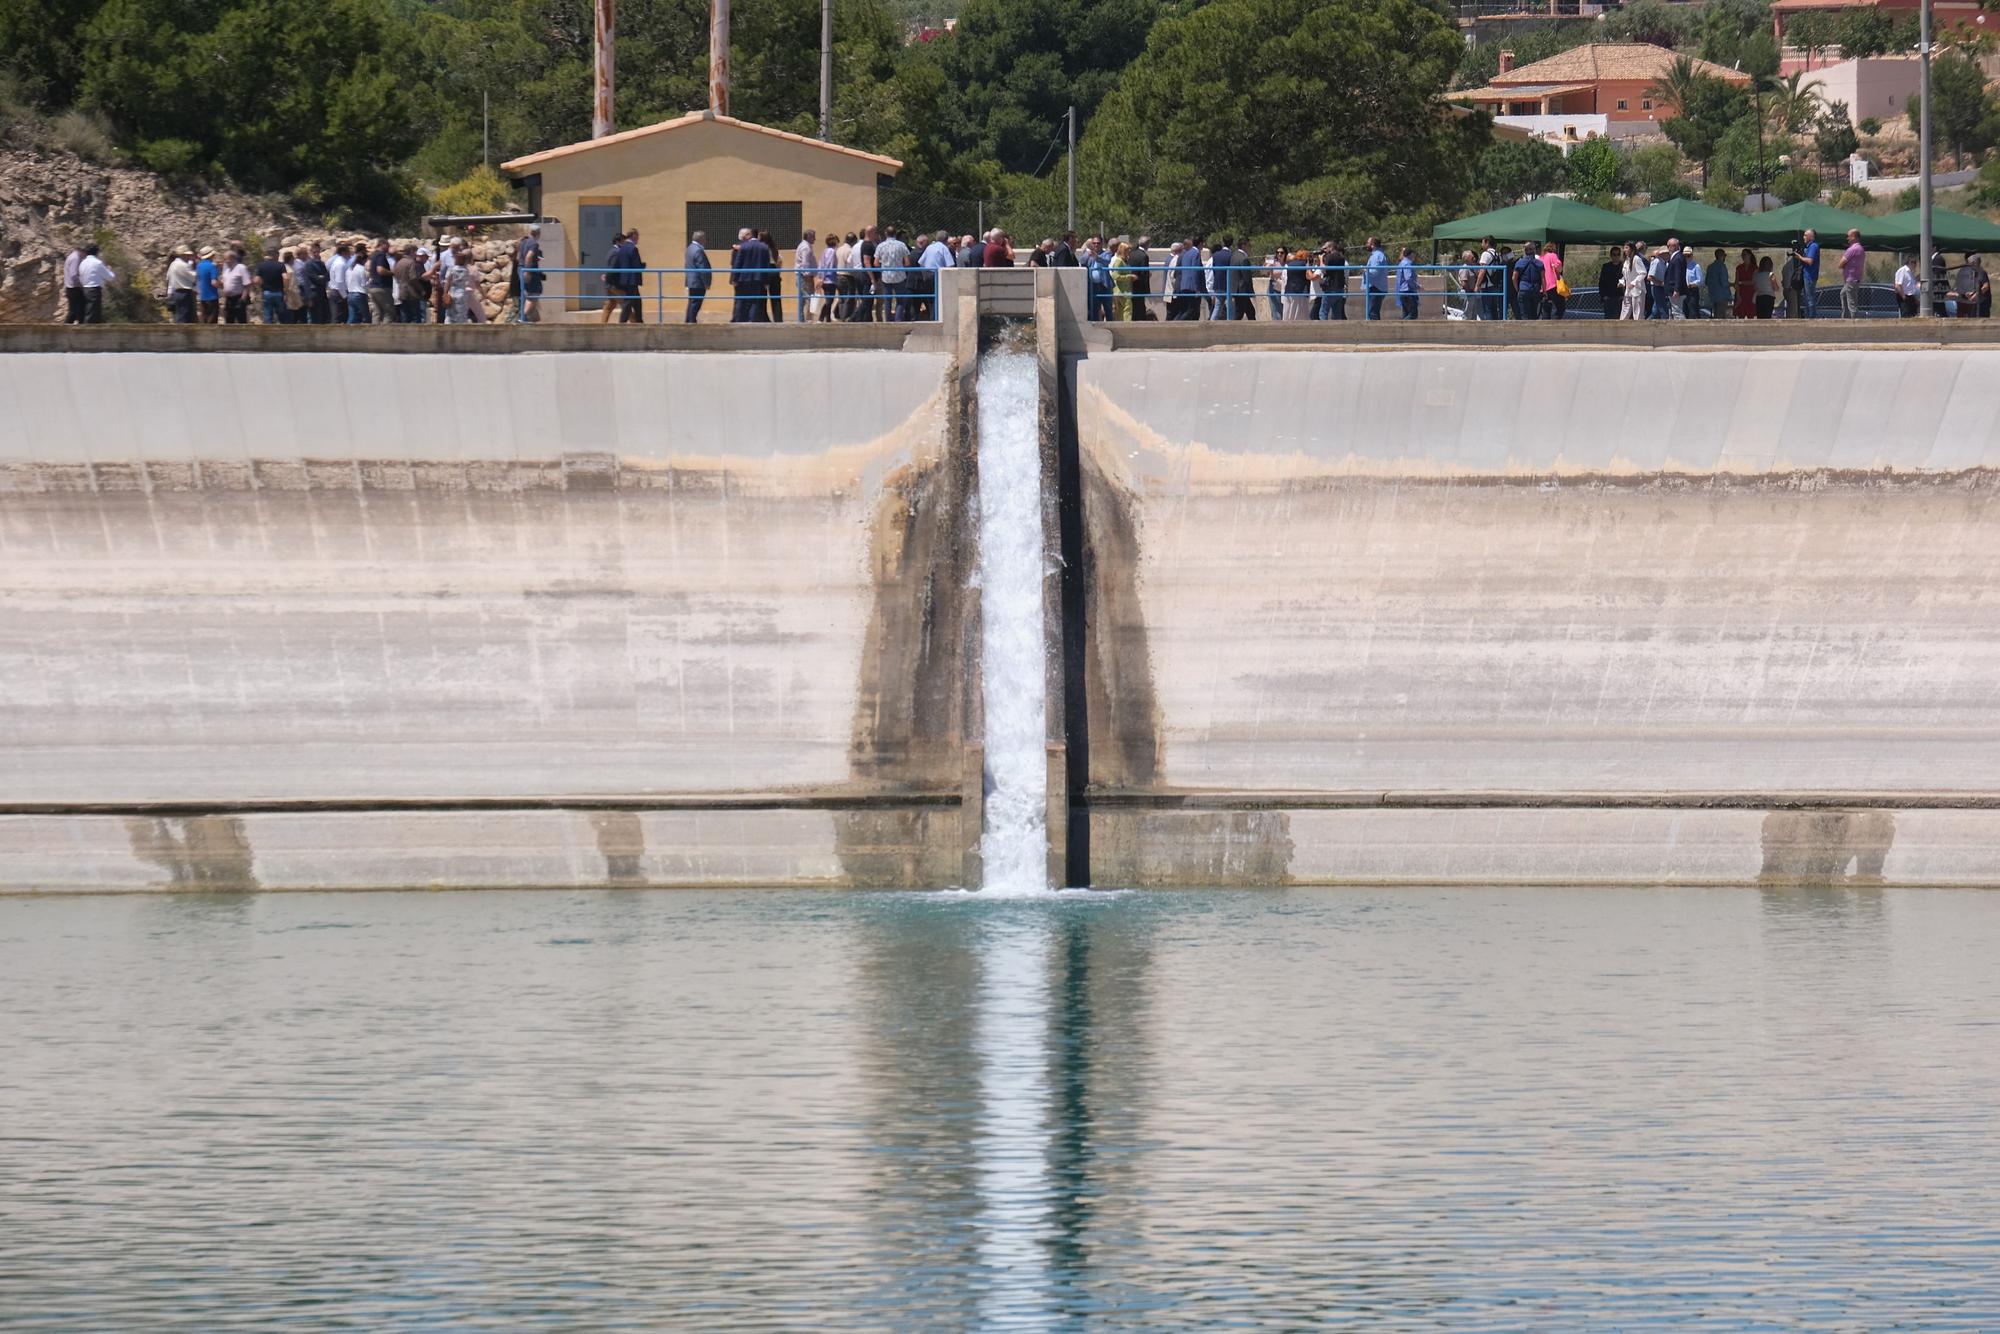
(1550,218)
(1696,223)
(1950,230)
(1781,226)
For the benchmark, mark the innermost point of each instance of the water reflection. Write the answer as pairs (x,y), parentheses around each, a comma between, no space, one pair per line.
(1469,1109)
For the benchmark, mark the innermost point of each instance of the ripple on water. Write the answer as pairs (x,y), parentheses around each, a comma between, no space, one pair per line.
(1455,1109)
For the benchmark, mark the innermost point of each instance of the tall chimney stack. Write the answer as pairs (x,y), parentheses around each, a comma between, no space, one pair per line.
(601,121)
(718,57)
(1506,62)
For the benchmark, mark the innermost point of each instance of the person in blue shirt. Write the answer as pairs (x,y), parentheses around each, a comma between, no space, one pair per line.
(1406,283)
(1807,254)
(1097,270)
(1528,283)
(1375,278)
(208,286)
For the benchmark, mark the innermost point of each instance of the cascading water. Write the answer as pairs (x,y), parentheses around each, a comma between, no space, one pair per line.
(1014,842)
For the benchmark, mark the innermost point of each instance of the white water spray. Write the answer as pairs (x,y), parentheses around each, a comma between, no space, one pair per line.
(1014,842)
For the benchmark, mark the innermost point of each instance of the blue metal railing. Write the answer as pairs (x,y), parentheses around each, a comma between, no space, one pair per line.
(1255,291)
(784,296)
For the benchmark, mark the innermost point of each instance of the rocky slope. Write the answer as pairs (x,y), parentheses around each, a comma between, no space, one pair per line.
(51,199)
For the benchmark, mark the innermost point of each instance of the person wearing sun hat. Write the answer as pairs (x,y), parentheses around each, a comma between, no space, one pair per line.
(208,286)
(180,285)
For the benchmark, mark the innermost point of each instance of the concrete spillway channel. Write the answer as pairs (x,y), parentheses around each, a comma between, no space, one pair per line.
(1350,604)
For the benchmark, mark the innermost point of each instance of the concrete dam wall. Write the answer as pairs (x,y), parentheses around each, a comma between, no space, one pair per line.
(579,607)
(1539,614)
(361,619)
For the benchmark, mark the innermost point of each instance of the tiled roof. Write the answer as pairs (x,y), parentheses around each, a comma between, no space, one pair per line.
(681,122)
(1503,92)
(1598,61)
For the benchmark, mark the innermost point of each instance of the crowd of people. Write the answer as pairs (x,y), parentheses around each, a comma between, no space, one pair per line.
(349,282)
(875,274)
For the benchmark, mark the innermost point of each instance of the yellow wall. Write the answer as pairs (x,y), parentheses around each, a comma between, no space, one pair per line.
(654,177)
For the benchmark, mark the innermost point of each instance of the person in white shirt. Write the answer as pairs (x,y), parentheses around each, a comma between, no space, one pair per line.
(180,286)
(805,268)
(235,289)
(1636,276)
(357,286)
(1906,289)
(73,286)
(336,282)
(93,275)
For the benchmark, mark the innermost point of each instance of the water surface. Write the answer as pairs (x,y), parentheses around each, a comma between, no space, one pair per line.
(1464,1109)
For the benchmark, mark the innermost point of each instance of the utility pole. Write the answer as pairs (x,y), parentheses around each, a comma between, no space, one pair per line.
(602,122)
(826,70)
(485,129)
(1073,165)
(1924,162)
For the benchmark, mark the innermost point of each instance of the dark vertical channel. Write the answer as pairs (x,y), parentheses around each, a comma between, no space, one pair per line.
(1075,652)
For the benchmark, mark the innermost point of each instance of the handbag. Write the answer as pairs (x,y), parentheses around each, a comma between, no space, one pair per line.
(1562,288)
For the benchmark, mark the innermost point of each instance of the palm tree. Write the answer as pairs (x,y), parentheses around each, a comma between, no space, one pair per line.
(1796,103)
(1677,86)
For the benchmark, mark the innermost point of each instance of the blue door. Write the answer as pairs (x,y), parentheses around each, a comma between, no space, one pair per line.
(596,224)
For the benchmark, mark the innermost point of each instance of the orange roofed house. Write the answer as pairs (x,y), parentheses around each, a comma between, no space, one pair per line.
(1599,89)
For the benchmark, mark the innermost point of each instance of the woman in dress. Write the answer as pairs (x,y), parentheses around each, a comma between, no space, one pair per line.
(1746,285)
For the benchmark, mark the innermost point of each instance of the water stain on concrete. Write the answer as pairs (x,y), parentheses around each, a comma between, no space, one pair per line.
(1826,847)
(1126,731)
(910,717)
(621,839)
(200,852)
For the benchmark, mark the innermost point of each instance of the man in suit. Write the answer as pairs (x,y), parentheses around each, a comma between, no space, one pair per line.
(746,275)
(698,277)
(1142,279)
(630,265)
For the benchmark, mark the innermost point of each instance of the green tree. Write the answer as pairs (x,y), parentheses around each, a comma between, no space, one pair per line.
(278,94)
(1810,31)
(1725,25)
(1480,64)
(1656,171)
(1509,172)
(1834,139)
(1306,117)
(1962,114)
(1653,22)
(38,41)
(1797,184)
(1706,107)
(1597,170)
(1868,31)
(1013,68)
(1795,102)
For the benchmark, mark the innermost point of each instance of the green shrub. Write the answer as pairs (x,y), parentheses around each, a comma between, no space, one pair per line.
(129,300)
(168,157)
(1870,125)
(84,133)
(1722,194)
(1852,198)
(1796,185)
(479,191)
(1910,196)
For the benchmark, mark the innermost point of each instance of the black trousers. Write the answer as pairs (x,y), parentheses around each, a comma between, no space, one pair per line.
(73,305)
(694,306)
(236,310)
(93,305)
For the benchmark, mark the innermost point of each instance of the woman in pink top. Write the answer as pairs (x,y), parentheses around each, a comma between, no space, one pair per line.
(1554,303)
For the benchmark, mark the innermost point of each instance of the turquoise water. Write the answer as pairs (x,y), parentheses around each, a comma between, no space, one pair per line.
(1460,1109)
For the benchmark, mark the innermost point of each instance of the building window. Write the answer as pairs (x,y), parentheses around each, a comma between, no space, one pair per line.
(1621,104)
(1645,104)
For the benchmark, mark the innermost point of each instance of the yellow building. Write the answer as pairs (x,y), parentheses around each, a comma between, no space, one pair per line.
(700,172)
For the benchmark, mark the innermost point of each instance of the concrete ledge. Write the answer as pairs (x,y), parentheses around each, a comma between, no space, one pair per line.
(1191,335)
(484,339)
(1797,851)
(1190,799)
